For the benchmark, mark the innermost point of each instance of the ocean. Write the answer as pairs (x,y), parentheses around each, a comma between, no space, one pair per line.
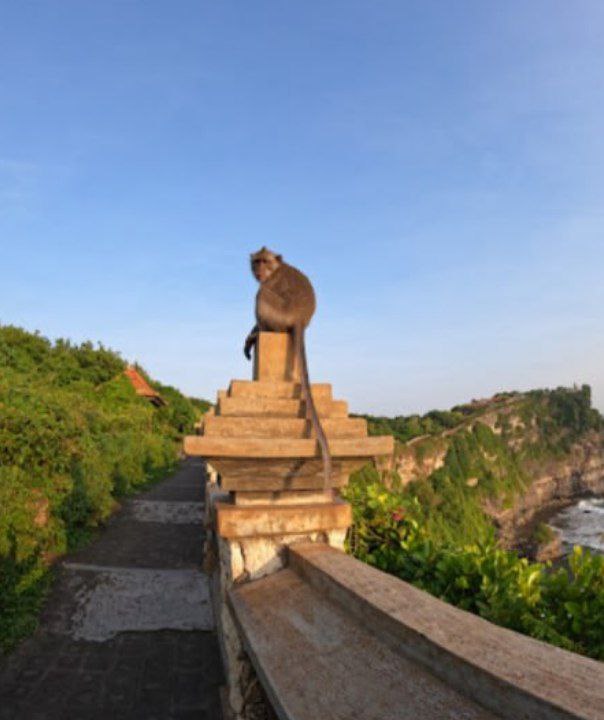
(581,524)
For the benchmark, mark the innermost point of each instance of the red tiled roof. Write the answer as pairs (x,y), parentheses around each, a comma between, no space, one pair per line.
(140,385)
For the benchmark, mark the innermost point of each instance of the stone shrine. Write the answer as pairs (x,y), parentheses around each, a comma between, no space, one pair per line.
(271,490)
(261,444)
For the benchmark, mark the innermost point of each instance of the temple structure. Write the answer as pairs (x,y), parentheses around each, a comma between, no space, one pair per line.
(269,461)
(271,492)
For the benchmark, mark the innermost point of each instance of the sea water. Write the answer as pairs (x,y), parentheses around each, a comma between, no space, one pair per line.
(582,524)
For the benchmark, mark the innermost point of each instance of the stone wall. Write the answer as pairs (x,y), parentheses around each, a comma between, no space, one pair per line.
(230,562)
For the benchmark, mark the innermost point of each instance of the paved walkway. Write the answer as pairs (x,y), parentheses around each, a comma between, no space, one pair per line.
(127,630)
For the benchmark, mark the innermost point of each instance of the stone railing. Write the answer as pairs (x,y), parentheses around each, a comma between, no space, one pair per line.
(308,632)
(331,637)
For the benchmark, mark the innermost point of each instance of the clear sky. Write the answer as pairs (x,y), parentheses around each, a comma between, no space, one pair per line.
(435,167)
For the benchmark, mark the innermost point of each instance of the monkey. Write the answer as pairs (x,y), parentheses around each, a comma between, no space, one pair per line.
(286,302)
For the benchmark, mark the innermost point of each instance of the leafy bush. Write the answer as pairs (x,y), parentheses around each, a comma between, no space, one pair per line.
(435,532)
(74,436)
(564,607)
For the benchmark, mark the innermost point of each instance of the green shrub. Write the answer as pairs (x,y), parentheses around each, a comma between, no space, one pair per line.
(74,436)
(435,533)
(565,607)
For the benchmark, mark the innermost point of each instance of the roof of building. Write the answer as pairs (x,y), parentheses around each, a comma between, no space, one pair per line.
(142,387)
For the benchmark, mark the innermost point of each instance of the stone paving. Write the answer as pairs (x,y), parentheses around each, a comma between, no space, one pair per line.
(127,631)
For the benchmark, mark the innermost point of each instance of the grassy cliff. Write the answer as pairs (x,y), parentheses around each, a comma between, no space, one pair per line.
(459,464)
(74,437)
(429,518)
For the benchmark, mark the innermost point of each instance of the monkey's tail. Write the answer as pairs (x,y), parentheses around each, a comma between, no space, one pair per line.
(311,410)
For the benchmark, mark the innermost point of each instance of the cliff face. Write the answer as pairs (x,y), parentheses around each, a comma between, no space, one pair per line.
(552,488)
(507,462)
(417,460)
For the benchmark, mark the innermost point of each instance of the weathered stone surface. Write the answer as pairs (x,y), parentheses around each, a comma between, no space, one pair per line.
(134,676)
(277,389)
(285,497)
(516,676)
(230,569)
(262,556)
(262,474)
(162,511)
(236,521)
(336,538)
(278,407)
(281,427)
(274,358)
(114,600)
(223,447)
(232,559)
(317,661)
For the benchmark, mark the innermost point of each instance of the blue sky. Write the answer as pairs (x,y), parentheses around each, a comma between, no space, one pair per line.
(436,168)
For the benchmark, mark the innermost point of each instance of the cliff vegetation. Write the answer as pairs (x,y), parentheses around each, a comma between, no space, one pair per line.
(432,517)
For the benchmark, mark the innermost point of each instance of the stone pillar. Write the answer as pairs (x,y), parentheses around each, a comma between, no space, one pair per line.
(274,358)
(271,488)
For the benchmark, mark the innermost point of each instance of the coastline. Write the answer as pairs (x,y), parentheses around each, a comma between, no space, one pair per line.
(565,483)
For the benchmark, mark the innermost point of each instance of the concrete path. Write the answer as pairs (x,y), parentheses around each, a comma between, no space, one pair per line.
(127,630)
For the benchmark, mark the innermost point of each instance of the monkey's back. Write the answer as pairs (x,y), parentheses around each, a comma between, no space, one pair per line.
(286,299)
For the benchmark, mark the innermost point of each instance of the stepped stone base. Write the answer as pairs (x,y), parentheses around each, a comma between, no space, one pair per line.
(285,497)
(259,474)
(260,444)
(280,427)
(259,437)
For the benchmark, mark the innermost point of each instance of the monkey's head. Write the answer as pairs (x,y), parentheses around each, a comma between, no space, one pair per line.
(264,263)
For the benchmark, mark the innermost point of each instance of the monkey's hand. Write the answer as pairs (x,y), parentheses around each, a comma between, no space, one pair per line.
(250,341)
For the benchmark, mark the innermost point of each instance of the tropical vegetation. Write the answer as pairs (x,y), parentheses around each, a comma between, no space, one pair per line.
(74,437)
(435,531)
